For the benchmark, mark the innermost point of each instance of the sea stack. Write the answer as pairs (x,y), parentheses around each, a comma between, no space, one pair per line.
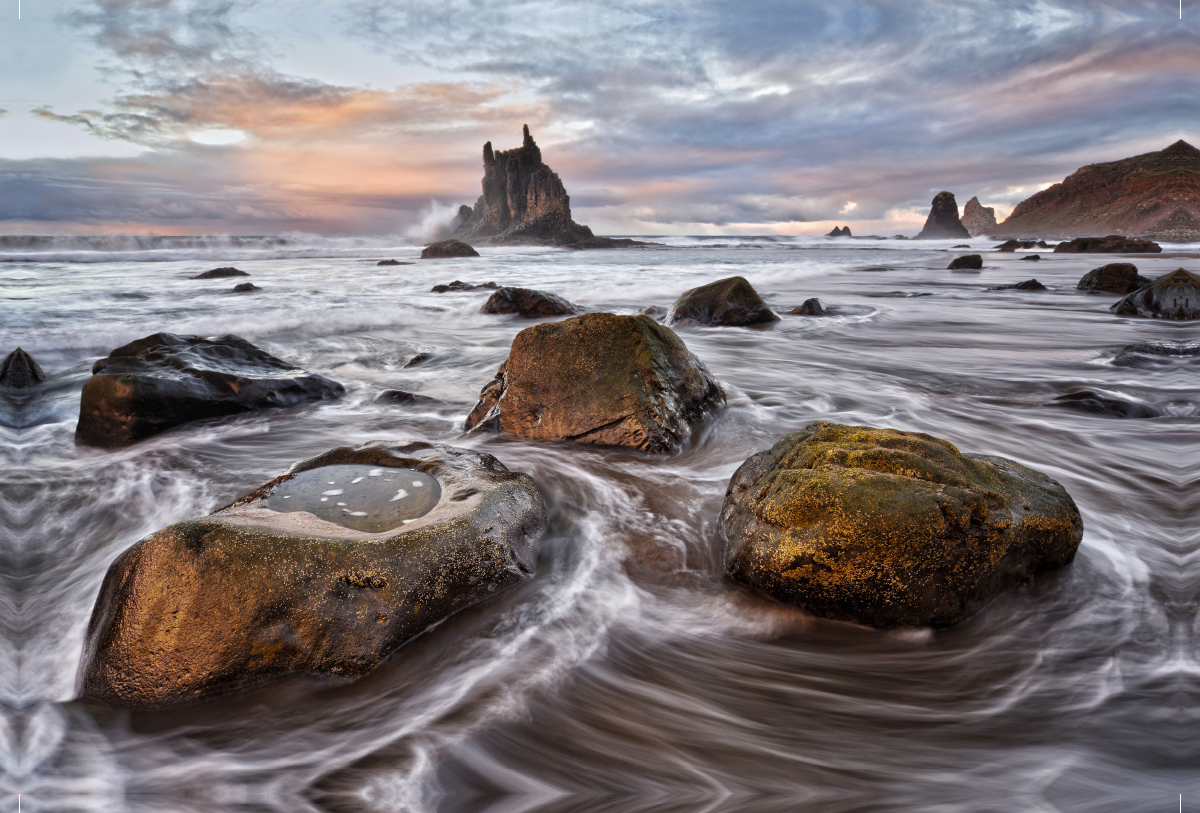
(1155,196)
(978,219)
(943,222)
(524,203)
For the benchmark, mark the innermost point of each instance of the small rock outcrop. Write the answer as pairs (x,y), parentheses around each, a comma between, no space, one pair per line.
(1027,285)
(1013,245)
(1114,278)
(598,378)
(221,273)
(392,262)
(447,249)
(529,303)
(978,219)
(943,222)
(972,262)
(1032,258)
(1174,296)
(19,370)
(730,302)
(842,231)
(325,570)
(890,528)
(1113,244)
(403,397)
(164,380)
(811,307)
(1098,403)
(459,285)
(245,288)
(1159,354)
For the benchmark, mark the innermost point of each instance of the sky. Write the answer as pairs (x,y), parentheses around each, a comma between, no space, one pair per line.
(672,117)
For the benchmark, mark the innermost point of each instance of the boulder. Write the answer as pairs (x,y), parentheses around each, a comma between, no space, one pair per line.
(19,370)
(1032,258)
(403,397)
(392,262)
(1174,296)
(153,384)
(978,219)
(459,285)
(221,273)
(324,571)
(246,288)
(811,307)
(1097,403)
(969,261)
(943,222)
(419,359)
(1114,278)
(1027,285)
(528,302)
(598,378)
(447,249)
(1113,244)
(730,302)
(891,528)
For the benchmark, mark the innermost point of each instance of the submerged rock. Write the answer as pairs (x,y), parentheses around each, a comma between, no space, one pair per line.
(656,312)
(419,359)
(730,302)
(1032,258)
(245,288)
(1027,285)
(598,378)
(447,249)
(1174,296)
(528,302)
(1158,354)
(459,285)
(391,262)
(891,528)
(221,273)
(961,245)
(969,261)
(1114,278)
(159,382)
(1113,244)
(811,307)
(403,397)
(1100,404)
(322,571)
(943,222)
(19,370)
(1013,245)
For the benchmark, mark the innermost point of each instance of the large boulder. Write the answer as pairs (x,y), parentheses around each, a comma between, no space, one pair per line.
(447,249)
(1114,278)
(1174,296)
(978,219)
(1113,244)
(324,570)
(972,262)
(19,370)
(163,380)
(598,378)
(730,302)
(943,222)
(528,302)
(891,528)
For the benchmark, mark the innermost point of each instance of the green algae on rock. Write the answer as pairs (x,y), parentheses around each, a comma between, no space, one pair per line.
(890,528)
(258,591)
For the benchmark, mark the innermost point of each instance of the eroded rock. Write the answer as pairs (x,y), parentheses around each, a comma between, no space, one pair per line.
(1174,296)
(943,222)
(730,302)
(978,219)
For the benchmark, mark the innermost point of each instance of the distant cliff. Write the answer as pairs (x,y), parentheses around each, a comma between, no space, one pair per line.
(978,219)
(1155,195)
(523,203)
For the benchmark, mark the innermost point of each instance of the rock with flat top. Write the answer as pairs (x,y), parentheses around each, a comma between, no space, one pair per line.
(221,273)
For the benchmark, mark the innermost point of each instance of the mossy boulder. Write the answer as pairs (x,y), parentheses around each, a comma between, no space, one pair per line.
(323,571)
(890,528)
(598,378)
(730,302)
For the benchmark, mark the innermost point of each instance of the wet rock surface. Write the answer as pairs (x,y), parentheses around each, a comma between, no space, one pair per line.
(164,380)
(890,528)
(1158,354)
(1027,285)
(599,378)
(943,222)
(730,302)
(811,307)
(1174,296)
(221,273)
(447,249)
(459,285)
(971,262)
(19,370)
(1099,403)
(1013,245)
(1112,244)
(529,303)
(270,586)
(1114,278)
(245,288)
(403,397)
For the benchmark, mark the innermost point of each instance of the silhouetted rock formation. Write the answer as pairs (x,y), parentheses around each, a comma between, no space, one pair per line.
(447,249)
(972,262)
(19,370)
(1114,278)
(943,222)
(528,302)
(843,231)
(731,302)
(221,273)
(1155,195)
(524,202)
(1112,244)
(1013,245)
(1174,296)
(978,219)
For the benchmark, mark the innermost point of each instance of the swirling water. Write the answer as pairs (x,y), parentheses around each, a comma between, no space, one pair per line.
(627,675)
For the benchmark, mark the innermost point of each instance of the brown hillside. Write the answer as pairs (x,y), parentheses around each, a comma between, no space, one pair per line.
(1156,195)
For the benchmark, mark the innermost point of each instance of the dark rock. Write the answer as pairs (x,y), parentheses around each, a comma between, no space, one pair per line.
(19,370)
(1113,244)
(1174,296)
(943,222)
(978,219)
(403,397)
(899,237)
(970,261)
(598,378)
(397,262)
(164,380)
(656,312)
(287,581)
(811,307)
(1100,404)
(1032,258)
(221,273)
(890,528)
(731,302)
(245,288)
(447,249)
(459,285)
(1114,278)
(419,358)
(961,245)
(1158,354)
(1027,285)
(1013,245)
(528,302)
(844,231)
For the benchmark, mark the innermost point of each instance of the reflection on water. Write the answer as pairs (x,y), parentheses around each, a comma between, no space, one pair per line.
(628,675)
